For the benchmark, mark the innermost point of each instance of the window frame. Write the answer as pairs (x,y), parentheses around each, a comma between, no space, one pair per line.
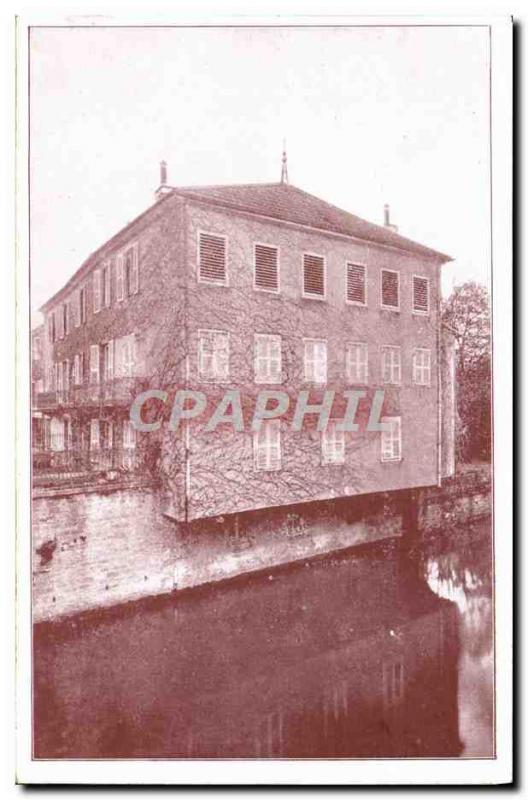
(392,348)
(356,302)
(419,312)
(268,336)
(421,367)
(312,380)
(214,379)
(365,379)
(382,305)
(265,424)
(207,281)
(305,295)
(262,288)
(96,282)
(325,460)
(391,459)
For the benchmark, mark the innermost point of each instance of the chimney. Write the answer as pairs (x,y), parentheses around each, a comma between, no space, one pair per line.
(163,188)
(386,218)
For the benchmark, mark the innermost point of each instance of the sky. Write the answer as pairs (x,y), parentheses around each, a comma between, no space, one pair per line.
(370,116)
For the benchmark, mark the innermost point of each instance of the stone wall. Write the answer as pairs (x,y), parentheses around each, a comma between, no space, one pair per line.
(94,548)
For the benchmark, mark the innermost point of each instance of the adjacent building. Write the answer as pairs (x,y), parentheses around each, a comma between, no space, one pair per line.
(249,287)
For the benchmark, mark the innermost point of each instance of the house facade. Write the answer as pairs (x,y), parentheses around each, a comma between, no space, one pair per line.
(245,289)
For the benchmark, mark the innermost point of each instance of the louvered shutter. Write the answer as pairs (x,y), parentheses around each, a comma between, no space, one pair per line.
(266,267)
(420,294)
(212,258)
(356,292)
(313,275)
(390,290)
(97,291)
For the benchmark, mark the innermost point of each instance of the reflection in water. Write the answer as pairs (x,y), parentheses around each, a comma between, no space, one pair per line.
(353,656)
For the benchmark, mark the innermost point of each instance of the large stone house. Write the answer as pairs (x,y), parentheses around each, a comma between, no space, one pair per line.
(250,287)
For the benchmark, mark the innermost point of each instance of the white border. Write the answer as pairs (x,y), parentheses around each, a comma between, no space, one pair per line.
(443,771)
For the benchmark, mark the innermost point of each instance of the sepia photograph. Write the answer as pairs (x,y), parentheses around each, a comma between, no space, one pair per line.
(261,320)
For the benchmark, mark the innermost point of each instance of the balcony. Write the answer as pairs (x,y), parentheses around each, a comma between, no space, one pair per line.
(120,391)
(76,465)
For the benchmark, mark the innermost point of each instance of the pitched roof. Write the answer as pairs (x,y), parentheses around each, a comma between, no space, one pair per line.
(285,202)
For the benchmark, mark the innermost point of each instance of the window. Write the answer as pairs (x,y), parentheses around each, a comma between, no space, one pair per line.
(107,285)
(124,357)
(266,268)
(57,434)
(37,348)
(82,305)
(66,374)
(268,359)
(390,289)
(391,364)
(267,445)
(78,369)
(94,363)
(391,439)
(357,362)
(66,318)
(315,361)
(313,276)
(129,435)
(51,327)
(420,295)
(108,361)
(120,278)
(97,291)
(60,323)
(421,366)
(94,434)
(356,289)
(333,444)
(213,355)
(132,269)
(212,258)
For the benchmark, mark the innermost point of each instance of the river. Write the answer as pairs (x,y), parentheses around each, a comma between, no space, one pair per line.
(368,653)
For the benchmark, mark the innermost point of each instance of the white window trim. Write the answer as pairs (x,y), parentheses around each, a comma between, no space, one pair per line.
(325,460)
(383,457)
(306,295)
(135,258)
(264,424)
(207,281)
(356,302)
(417,311)
(311,380)
(395,272)
(96,281)
(363,381)
(421,367)
(198,354)
(261,288)
(392,347)
(257,336)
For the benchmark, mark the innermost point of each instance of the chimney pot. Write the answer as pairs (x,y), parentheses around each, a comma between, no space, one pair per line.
(163,173)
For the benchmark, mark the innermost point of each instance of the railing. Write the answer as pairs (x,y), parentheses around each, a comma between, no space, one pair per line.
(117,391)
(51,465)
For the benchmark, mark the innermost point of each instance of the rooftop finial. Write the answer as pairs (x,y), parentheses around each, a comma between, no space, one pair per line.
(163,173)
(284,172)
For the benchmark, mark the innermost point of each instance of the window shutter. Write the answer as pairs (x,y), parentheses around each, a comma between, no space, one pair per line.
(94,363)
(133,274)
(107,285)
(120,278)
(390,290)
(212,258)
(266,267)
(97,291)
(420,294)
(109,361)
(94,434)
(356,293)
(313,275)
